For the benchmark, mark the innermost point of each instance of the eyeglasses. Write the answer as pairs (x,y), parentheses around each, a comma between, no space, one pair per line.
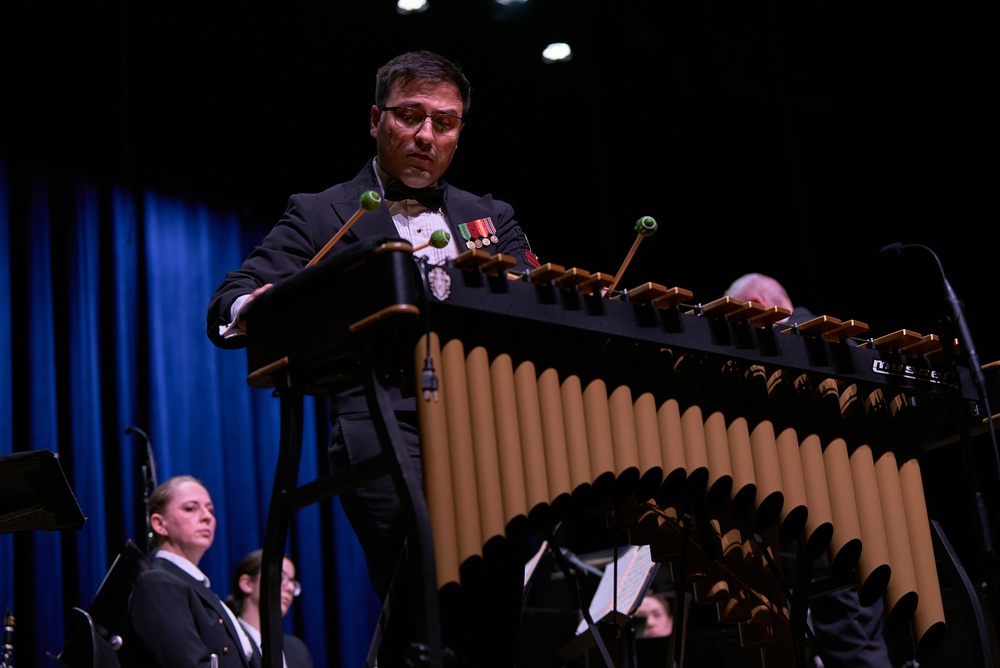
(292,582)
(409,118)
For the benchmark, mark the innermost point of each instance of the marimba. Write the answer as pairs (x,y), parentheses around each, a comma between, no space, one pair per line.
(537,392)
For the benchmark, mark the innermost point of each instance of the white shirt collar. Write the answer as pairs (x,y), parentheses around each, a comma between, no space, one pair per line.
(254,635)
(184,565)
(251,631)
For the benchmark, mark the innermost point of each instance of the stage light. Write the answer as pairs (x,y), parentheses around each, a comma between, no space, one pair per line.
(557,52)
(411,6)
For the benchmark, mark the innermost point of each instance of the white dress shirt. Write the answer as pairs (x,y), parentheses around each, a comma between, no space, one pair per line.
(414,223)
(255,636)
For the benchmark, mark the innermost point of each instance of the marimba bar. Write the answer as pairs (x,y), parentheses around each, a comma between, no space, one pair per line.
(504,433)
(618,422)
(551,396)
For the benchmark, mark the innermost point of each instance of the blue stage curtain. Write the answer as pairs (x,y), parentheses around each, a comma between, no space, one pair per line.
(6,381)
(105,292)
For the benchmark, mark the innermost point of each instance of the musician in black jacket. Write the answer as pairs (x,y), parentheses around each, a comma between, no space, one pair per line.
(848,634)
(244,600)
(421,101)
(174,619)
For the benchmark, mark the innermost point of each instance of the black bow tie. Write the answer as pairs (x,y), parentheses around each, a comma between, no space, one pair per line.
(430,197)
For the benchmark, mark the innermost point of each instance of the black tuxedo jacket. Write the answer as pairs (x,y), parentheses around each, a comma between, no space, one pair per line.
(311,220)
(296,653)
(175,621)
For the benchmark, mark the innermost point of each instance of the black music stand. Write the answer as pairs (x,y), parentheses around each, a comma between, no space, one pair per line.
(95,640)
(87,649)
(34,494)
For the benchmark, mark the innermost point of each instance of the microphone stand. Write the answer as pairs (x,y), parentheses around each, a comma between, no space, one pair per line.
(148,480)
(954,326)
(955,321)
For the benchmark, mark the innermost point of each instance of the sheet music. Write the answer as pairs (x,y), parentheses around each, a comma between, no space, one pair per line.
(635,571)
(529,568)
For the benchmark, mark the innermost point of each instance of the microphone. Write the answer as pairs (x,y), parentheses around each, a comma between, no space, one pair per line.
(579,564)
(892,250)
(957,312)
(149,468)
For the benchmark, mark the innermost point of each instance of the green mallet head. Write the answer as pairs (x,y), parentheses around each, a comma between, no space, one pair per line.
(370,200)
(645,226)
(440,239)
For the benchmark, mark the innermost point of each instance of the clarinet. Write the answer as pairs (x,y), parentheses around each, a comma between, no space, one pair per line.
(7,650)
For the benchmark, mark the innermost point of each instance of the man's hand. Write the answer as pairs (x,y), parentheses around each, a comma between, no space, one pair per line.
(240,322)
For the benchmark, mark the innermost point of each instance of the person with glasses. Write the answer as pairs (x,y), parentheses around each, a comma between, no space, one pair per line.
(244,600)
(174,618)
(420,111)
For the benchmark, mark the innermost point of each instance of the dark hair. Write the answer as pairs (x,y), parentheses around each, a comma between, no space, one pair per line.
(249,565)
(424,65)
(161,498)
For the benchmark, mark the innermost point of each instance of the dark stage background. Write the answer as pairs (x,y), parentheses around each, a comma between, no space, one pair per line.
(793,138)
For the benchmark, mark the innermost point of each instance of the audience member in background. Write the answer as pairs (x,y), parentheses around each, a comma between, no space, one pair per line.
(848,634)
(174,619)
(655,609)
(244,599)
